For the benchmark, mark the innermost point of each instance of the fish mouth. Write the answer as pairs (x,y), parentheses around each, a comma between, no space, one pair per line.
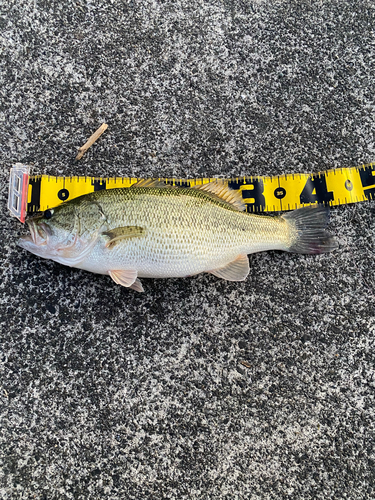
(44,242)
(37,241)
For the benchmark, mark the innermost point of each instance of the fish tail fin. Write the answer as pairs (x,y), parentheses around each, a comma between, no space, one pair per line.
(308,230)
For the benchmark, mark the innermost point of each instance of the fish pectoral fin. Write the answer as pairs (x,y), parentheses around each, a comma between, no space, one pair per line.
(120,233)
(237,270)
(127,278)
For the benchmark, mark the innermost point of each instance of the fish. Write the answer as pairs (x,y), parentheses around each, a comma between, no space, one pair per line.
(152,230)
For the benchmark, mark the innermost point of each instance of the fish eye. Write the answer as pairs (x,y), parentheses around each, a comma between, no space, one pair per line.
(48,214)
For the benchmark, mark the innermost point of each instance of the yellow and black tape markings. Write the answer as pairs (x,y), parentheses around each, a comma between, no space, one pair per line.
(261,194)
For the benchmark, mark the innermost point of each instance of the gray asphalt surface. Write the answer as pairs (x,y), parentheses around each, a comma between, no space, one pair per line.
(110,394)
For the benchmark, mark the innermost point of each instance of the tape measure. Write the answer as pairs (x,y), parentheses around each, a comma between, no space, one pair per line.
(260,194)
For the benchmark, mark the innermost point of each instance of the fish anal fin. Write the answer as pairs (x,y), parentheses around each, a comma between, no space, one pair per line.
(220,189)
(120,233)
(237,270)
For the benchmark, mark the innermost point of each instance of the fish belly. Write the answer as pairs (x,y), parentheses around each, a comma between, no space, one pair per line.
(158,257)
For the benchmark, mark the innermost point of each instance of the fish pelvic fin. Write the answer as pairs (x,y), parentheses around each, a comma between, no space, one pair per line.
(307,226)
(137,286)
(127,278)
(120,233)
(237,270)
(219,189)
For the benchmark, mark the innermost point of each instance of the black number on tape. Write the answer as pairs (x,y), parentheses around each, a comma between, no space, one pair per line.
(280,193)
(315,190)
(368,181)
(256,193)
(98,184)
(63,194)
(34,204)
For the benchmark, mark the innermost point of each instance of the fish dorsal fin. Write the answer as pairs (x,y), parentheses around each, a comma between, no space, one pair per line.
(237,270)
(150,183)
(220,189)
(120,233)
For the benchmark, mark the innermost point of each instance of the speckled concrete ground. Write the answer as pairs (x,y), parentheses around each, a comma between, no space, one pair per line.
(106,393)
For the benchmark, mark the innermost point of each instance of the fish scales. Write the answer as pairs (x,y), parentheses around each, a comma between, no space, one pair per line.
(187,232)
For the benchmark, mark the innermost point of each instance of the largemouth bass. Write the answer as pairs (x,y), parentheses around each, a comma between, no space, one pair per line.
(152,230)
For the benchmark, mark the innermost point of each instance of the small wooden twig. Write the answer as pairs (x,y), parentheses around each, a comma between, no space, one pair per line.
(95,136)
(245,363)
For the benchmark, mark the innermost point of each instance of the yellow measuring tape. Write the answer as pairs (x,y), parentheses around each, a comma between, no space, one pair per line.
(260,194)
